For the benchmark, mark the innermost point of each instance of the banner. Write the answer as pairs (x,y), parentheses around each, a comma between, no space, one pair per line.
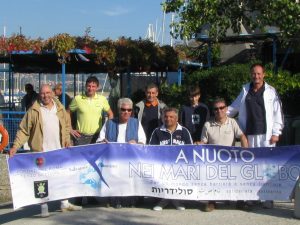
(190,172)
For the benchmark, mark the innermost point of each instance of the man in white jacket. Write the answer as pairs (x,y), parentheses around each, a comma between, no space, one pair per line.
(259,108)
(259,112)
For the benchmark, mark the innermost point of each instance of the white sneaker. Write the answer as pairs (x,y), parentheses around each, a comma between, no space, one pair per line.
(161,204)
(178,205)
(44,210)
(70,207)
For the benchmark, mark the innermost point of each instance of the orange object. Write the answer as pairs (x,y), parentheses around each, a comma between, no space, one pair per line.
(5,138)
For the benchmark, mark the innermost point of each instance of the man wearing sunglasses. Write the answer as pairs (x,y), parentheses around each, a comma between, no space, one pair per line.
(221,130)
(123,129)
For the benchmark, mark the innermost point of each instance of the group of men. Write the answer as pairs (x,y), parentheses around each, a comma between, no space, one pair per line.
(150,121)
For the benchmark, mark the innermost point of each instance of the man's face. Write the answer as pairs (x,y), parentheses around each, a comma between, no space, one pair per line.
(220,110)
(91,89)
(257,75)
(170,119)
(46,95)
(151,94)
(125,112)
(58,91)
(194,99)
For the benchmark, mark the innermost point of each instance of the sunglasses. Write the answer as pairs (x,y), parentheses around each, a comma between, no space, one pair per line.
(126,110)
(220,108)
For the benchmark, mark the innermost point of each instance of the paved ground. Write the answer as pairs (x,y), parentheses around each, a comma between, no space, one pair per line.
(225,214)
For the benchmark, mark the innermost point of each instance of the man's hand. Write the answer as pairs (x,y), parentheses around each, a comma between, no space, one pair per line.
(132,142)
(103,141)
(12,151)
(75,133)
(274,139)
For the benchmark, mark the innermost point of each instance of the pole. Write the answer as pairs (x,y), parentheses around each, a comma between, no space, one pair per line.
(63,80)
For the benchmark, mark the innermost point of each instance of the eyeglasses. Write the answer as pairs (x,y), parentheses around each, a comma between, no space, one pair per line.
(126,110)
(220,108)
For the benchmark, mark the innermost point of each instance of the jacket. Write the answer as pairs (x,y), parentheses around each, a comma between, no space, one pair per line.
(31,127)
(162,136)
(140,109)
(112,130)
(274,116)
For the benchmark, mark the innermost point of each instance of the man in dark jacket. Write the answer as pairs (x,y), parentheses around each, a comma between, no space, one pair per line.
(170,133)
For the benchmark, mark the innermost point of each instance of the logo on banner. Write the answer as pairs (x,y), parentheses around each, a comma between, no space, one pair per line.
(40,161)
(41,189)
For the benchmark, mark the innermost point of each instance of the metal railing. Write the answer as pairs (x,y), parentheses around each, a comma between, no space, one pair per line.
(11,121)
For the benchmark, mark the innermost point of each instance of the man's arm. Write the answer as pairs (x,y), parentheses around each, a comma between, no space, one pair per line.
(234,108)
(277,125)
(244,141)
(75,133)
(110,114)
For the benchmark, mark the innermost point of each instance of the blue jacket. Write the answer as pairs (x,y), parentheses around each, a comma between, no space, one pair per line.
(112,130)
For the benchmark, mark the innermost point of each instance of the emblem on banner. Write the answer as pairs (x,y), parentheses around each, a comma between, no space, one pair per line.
(39,161)
(41,189)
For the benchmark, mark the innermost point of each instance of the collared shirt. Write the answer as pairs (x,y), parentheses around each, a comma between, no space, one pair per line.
(221,134)
(51,137)
(255,110)
(89,112)
(153,103)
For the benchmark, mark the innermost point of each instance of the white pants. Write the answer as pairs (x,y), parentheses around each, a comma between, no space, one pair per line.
(258,141)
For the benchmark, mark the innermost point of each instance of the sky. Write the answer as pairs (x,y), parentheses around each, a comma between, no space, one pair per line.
(106,18)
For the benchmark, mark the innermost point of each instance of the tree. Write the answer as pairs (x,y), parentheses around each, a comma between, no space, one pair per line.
(220,15)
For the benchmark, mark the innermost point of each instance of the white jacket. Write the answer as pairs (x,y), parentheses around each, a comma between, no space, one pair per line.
(274,116)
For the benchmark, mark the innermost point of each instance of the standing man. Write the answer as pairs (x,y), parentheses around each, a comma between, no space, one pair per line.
(149,110)
(260,113)
(46,127)
(89,108)
(123,129)
(259,110)
(195,114)
(170,133)
(58,93)
(221,130)
(30,97)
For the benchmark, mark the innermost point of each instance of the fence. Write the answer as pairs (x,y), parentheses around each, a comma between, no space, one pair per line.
(11,121)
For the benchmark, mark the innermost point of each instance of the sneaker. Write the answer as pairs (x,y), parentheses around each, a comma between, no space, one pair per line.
(70,207)
(268,204)
(209,206)
(161,204)
(44,211)
(178,205)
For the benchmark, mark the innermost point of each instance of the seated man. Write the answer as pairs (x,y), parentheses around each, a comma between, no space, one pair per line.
(170,133)
(221,130)
(123,129)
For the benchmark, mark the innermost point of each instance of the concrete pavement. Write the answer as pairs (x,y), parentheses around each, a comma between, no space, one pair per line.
(281,214)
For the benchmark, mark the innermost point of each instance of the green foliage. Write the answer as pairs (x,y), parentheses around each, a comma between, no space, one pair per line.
(219,15)
(288,88)
(61,44)
(172,95)
(223,81)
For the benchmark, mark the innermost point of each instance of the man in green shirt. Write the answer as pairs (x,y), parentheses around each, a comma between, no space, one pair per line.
(89,108)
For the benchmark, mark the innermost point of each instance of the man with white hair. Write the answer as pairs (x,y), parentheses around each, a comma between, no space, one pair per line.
(123,129)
